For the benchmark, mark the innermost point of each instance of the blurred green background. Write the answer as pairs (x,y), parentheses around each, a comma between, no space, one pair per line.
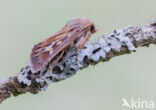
(101,87)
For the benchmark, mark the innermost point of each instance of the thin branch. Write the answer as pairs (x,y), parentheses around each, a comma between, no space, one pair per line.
(122,41)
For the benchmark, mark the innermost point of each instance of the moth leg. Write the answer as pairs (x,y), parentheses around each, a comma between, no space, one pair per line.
(58,58)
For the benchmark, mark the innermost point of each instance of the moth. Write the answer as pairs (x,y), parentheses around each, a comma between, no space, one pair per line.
(74,34)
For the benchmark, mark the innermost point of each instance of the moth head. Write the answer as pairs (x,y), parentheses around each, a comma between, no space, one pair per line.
(92,28)
(82,23)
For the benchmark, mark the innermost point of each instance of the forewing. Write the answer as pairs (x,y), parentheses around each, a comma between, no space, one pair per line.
(46,50)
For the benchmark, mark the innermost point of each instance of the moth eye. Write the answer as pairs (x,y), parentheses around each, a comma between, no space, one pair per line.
(92,28)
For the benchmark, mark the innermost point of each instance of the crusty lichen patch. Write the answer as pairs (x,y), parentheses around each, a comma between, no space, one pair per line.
(23,76)
(109,42)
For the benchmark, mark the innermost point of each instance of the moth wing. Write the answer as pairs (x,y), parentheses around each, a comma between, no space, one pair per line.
(46,50)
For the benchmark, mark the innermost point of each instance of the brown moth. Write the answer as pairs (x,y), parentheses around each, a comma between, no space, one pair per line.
(73,35)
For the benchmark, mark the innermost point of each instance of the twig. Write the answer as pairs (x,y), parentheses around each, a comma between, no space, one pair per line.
(122,41)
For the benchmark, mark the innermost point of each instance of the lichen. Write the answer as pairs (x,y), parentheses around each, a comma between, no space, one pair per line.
(23,76)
